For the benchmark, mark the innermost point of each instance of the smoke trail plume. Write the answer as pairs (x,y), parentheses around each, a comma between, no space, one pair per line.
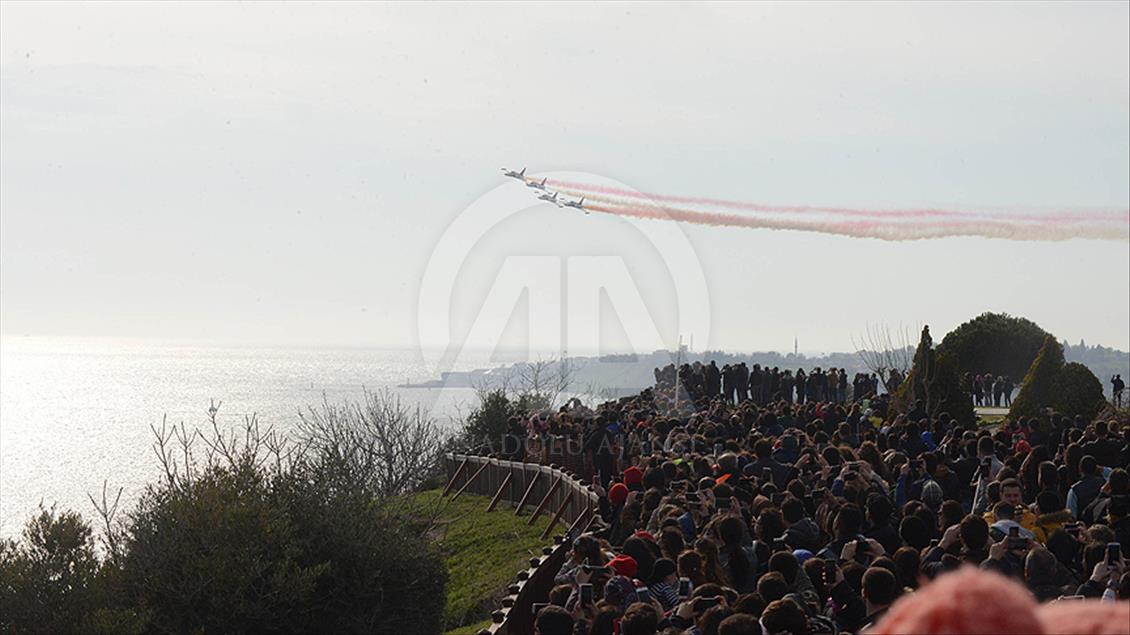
(623,196)
(883,224)
(873,228)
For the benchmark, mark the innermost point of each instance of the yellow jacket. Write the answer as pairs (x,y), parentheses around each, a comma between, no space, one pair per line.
(1047,523)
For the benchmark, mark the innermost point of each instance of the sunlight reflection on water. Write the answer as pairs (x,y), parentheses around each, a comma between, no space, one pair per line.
(75,412)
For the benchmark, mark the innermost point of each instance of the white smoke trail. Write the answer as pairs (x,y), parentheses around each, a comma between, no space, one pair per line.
(883,230)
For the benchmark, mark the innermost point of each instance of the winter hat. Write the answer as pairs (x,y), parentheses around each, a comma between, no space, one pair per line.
(618,494)
(932,494)
(801,555)
(620,592)
(1087,617)
(646,535)
(633,476)
(624,565)
(965,602)
(662,568)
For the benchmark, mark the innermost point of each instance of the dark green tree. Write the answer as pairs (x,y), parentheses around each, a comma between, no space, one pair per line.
(995,343)
(1078,392)
(1036,392)
(934,379)
(47,579)
(488,422)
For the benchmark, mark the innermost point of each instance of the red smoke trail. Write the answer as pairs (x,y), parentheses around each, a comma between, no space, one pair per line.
(589,190)
(874,229)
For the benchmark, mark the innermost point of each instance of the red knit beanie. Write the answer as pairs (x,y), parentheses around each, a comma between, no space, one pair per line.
(965,602)
(624,565)
(618,494)
(1086,617)
(633,476)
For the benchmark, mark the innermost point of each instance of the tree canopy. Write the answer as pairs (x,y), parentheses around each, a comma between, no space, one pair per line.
(995,343)
(1050,382)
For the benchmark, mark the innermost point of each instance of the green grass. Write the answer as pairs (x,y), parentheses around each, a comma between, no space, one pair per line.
(470,629)
(483,552)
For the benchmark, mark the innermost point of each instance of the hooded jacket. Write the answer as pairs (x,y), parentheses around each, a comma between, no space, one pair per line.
(1047,523)
(804,534)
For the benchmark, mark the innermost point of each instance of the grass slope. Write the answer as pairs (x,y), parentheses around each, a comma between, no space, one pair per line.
(483,552)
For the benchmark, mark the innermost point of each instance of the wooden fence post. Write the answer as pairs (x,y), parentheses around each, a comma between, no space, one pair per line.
(501,488)
(526,496)
(454,477)
(470,480)
(545,501)
(556,517)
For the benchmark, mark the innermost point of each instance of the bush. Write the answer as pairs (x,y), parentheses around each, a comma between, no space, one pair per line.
(935,380)
(221,553)
(1078,392)
(1039,382)
(948,393)
(996,343)
(47,579)
(256,535)
(491,419)
(240,550)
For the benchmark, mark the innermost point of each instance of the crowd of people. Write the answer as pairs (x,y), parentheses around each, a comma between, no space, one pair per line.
(990,391)
(753,511)
(738,383)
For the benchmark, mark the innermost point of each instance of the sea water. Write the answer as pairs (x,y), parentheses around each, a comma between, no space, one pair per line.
(76,413)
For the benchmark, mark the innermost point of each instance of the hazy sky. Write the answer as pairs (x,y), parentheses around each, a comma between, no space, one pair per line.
(283,173)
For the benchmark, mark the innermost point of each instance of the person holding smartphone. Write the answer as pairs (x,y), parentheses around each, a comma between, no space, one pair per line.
(1106,572)
(988,468)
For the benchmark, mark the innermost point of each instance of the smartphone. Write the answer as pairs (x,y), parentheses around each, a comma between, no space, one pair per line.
(861,549)
(1073,528)
(718,449)
(679,486)
(643,594)
(645,448)
(586,594)
(829,573)
(692,497)
(684,587)
(767,474)
(986,467)
(1113,553)
(819,493)
(934,542)
(1014,539)
(704,604)
(537,606)
(779,544)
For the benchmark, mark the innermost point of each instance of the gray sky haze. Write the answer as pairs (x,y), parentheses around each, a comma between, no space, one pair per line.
(281,173)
